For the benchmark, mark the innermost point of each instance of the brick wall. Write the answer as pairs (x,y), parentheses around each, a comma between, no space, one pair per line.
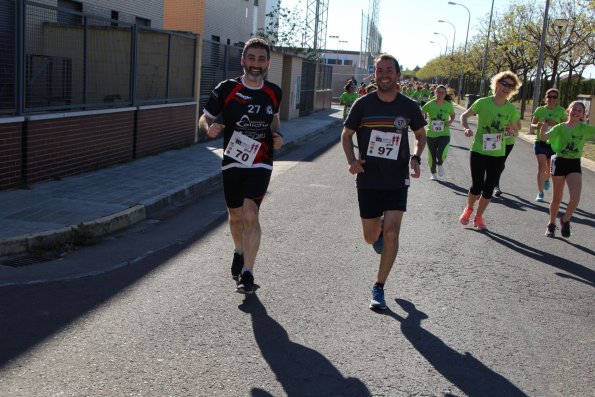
(160,128)
(10,154)
(61,146)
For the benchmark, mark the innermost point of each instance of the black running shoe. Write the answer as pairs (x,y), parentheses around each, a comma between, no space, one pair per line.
(564,228)
(245,283)
(551,230)
(236,265)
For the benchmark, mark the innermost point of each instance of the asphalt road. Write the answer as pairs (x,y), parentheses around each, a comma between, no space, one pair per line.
(506,312)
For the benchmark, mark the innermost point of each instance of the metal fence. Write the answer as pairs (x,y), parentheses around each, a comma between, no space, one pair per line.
(219,62)
(53,58)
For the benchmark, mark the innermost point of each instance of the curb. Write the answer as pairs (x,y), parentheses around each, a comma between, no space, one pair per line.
(138,213)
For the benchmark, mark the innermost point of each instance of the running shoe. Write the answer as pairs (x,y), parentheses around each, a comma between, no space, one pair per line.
(497,191)
(440,170)
(245,283)
(546,185)
(464,218)
(564,228)
(377,301)
(539,197)
(434,176)
(478,223)
(236,265)
(551,230)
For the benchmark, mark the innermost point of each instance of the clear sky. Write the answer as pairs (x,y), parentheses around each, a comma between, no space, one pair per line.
(406,26)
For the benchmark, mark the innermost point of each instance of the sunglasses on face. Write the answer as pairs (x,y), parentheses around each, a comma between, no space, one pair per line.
(507,85)
(552,97)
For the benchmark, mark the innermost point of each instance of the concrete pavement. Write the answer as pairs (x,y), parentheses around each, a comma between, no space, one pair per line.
(100,202)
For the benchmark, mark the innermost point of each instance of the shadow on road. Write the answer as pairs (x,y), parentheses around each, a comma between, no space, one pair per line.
(584,273)
(302,371)
(458,189)
(466,372)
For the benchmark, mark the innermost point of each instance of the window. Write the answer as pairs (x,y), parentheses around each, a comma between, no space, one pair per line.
(115,17)
(143,21)
(215,38)
(66,17)
(256,2)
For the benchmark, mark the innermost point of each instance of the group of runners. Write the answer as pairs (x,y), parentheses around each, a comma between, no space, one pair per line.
(246,110)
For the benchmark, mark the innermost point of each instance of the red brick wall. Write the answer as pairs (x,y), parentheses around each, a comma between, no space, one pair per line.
(10,155)
(161,129)
(73,145)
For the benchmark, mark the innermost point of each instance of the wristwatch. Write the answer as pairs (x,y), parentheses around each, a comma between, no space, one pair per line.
(416,157)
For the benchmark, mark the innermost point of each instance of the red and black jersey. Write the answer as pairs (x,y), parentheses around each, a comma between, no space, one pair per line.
(248,111)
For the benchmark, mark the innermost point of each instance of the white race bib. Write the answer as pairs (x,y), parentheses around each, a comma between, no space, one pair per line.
(384,144)
(242,148)
(492,142)
(437,125)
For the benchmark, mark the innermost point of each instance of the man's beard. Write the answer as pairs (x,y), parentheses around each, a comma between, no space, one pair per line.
(255,74)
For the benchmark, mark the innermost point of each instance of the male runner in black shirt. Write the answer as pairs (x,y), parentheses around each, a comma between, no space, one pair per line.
(246,109)
(381,121)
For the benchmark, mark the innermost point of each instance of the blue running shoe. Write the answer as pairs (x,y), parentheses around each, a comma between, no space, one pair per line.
(546,185)
(377,301)
(539,197)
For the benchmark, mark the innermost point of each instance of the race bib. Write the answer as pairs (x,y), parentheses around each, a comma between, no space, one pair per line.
(437,125)
(384,144)
(242,148)
(492,142)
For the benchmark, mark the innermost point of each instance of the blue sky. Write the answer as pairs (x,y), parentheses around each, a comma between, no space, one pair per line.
(406,26)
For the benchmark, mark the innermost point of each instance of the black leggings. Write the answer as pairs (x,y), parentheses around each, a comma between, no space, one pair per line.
(438,149)
(508,150)
(485,172)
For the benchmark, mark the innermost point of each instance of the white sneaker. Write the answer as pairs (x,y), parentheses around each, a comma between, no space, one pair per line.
(434,177)
(440,170)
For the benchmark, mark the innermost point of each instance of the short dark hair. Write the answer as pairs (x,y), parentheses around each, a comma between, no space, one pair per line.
(257,42)
(385,56)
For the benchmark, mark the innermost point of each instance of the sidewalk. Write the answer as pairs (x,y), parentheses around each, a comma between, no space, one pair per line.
(113,198)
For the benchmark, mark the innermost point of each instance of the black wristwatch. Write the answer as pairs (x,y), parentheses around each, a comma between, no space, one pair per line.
(415,156)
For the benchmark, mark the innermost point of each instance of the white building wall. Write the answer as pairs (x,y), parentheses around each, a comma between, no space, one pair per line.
(235,20)
(128,9)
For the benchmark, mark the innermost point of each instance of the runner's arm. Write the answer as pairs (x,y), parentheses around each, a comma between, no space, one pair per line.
(276,129)
(420,144)
(468,113)
(208,126)
(355,165)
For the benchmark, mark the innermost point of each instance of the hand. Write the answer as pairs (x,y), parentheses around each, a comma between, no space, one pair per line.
(215,129)
(510,130)
(356,167)
(277,140)
(415,167)
(468,132)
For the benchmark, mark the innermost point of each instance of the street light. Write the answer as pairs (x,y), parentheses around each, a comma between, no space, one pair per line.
(336,52)
(454,34)
(345,42)
(439,45)
(446,38)
(485,54)
(465,48)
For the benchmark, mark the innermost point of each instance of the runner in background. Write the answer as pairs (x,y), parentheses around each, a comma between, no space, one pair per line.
(348,97)
(550,114)
(441,115)
(567,141)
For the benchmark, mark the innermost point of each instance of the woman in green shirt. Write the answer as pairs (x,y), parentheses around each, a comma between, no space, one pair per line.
(497,119)
(550,114)
(348,97)
(567,141)
(440,115)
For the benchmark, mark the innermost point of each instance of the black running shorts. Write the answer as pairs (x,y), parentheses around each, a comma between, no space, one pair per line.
(245,183)
(373,203)
(561,166)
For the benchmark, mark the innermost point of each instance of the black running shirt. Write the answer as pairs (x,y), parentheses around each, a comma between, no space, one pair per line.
(248,111)
(369,113)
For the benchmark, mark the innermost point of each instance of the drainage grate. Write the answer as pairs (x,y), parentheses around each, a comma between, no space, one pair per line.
(26,261)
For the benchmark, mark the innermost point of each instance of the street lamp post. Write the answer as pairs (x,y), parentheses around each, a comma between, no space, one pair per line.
(464,49)
(439,45)
(446,38)
(336,52)
(485,54)
(344,42)
(454,34)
